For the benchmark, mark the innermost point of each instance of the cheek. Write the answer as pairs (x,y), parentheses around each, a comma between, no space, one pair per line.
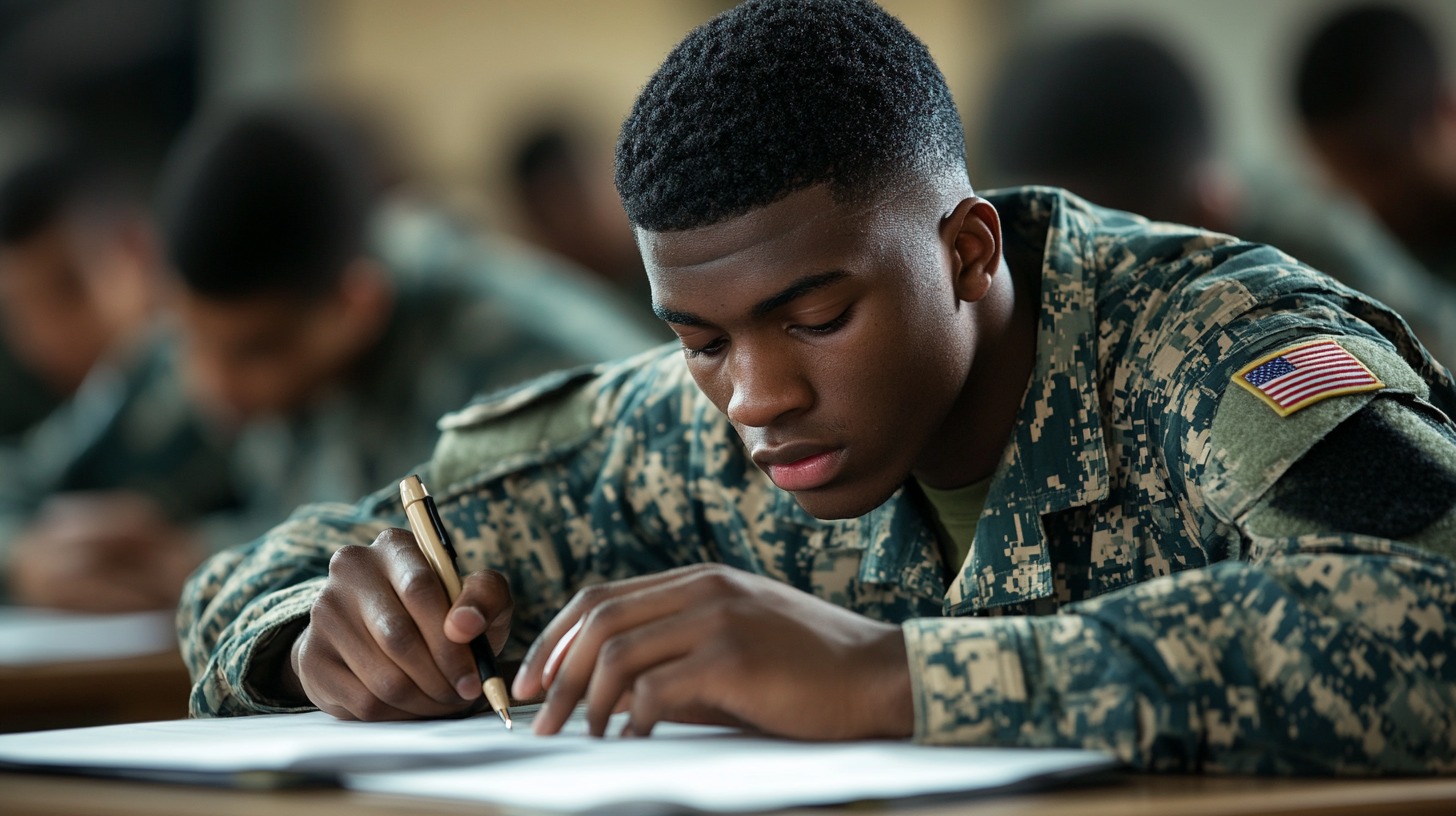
(713,381)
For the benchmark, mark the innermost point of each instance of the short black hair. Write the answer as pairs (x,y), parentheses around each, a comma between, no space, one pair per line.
(1375,68)
(1110,113)
(37,190)
(776,96)
(270,197)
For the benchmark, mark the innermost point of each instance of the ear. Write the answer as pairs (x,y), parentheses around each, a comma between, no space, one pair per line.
(972,236)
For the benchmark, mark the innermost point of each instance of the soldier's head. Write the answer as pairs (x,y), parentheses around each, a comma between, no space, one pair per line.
(1112,115)
(1372,96)
(76,264)
(264,213)
(795,172)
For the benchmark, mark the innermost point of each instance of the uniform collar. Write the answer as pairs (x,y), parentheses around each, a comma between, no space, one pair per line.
(1056,458)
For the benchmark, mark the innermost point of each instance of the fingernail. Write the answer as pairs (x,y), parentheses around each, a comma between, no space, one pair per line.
(469,620)
(468,687)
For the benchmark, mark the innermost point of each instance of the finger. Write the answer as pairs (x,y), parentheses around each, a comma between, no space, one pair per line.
(607,620)
(362,619)
(528,679)
(407,624)
(485,606)
(553,661)
(678,691)
(337,691)
(628,655)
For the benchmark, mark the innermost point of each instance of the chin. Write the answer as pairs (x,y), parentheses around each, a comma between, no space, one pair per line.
(827,504)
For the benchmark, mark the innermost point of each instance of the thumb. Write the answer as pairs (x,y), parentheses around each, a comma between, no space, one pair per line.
(485,605)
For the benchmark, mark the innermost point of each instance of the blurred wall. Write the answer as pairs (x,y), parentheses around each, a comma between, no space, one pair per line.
(457,76)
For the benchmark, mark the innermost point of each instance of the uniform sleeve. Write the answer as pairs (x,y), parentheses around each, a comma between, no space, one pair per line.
(577,477)
(1326,643)
(241,612)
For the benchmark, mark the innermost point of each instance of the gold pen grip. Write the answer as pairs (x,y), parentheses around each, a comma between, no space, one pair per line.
(413,493)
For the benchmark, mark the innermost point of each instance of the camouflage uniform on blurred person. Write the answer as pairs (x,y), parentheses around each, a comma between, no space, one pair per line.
(471,316)
(1165,567)
(320,336)
(1337,235)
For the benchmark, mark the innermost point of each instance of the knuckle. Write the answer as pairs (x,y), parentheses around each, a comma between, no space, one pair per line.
(418,586)
(614,653)
(721,581)
(393,537)
(396,636)
(371,708)
(593,596)
(395,688)
(606,614)
(348,559)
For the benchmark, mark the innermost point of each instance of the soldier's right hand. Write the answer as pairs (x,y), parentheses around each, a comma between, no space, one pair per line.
(383,641)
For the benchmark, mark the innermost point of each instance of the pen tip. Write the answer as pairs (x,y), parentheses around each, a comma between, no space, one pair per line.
(506,715)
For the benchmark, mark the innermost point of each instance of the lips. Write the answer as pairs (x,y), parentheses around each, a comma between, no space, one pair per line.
(800,467)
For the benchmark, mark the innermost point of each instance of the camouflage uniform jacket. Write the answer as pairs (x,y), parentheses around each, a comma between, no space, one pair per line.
(1154,572)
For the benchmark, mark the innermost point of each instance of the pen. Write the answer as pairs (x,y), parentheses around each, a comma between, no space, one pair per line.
(434,541)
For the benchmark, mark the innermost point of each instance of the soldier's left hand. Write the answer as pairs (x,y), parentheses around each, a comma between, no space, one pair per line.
(710,644)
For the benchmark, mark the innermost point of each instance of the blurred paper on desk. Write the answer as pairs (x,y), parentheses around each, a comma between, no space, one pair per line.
(30,637)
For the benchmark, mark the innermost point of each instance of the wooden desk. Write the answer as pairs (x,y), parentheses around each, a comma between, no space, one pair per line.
(27,795)
(101,692)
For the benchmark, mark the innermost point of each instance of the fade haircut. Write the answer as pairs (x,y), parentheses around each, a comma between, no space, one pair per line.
(267,198)
(775,96)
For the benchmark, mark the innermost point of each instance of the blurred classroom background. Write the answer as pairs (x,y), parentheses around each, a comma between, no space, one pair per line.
(497,120)
(459,82)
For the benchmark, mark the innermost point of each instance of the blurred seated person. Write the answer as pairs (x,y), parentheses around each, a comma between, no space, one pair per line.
(79,291)
(1114,116)
(1380,114)
(327,340)
(75,282)
(563,193)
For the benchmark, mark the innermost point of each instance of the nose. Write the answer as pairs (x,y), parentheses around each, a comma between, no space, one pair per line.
(767,386)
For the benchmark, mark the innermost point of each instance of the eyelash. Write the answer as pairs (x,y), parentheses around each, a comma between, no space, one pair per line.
(822,329)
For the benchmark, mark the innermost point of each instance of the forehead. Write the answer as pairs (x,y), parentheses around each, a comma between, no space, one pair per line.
(803,233)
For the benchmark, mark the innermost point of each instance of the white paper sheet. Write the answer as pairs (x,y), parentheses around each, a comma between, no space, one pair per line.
(34,636)
(680,766)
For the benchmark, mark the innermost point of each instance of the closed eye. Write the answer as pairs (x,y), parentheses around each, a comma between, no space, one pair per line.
(830,327)
(708,350)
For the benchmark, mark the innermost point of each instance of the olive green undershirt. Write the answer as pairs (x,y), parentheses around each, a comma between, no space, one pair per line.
(958,510)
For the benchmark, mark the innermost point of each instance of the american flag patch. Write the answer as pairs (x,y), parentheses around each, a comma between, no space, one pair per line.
(1301,375)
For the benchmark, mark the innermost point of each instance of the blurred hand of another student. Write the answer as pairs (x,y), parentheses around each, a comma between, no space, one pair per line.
(383,641)
(710,644)
(102,552)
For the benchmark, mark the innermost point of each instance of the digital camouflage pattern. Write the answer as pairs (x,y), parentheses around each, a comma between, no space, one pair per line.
(471,315)
(1131,586)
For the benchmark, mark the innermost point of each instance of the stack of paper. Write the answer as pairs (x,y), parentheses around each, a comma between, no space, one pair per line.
(680,766)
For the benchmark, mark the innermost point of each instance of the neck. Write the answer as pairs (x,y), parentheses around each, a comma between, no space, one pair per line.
(969,445)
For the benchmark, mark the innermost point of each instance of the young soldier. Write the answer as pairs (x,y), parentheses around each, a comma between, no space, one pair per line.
(1007,470)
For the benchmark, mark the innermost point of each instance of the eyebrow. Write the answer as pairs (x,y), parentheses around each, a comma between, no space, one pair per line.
(790,293)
